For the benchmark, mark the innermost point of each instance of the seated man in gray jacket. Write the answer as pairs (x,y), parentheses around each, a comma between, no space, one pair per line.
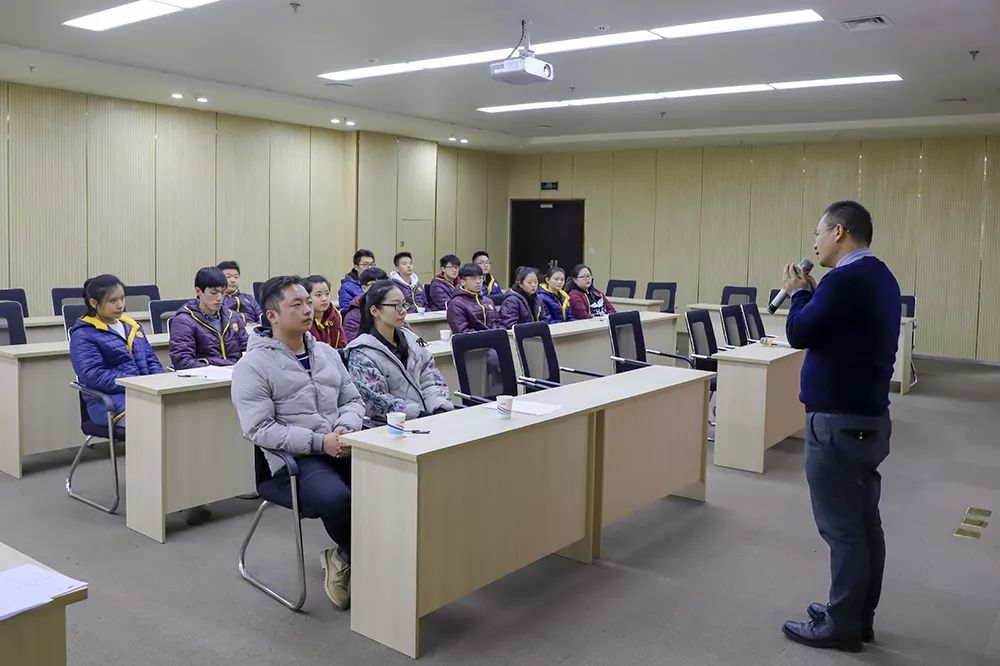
(295,395)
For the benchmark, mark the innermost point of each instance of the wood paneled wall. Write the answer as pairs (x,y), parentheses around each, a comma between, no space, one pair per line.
(152,193)
(706,217)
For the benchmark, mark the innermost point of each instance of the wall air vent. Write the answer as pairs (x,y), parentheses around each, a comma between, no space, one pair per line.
(862,23)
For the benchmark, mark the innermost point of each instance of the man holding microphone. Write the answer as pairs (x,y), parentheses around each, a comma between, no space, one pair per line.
(849,323)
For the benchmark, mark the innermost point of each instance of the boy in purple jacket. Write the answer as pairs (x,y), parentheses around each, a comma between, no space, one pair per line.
(205,332)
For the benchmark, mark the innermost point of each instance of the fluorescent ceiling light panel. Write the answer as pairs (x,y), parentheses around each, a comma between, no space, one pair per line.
(522,107)
(846,81)
(365,72)
(132,12)
(618,99)
(738,24)
(476,58)
(595,42)
(725,90)
(187,4)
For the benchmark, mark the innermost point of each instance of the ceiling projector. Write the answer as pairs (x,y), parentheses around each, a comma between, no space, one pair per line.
(522,70)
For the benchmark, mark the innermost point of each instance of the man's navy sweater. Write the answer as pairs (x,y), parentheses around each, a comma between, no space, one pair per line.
(850,327)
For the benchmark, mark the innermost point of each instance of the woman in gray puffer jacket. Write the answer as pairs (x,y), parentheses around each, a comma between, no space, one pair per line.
(390,365)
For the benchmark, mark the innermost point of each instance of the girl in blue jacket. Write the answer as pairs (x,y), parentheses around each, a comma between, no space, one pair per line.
(104,345)
(555,301)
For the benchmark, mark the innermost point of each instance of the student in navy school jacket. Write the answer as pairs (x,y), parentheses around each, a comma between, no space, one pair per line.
(445,283)
(490,286)
(105,344)
(521,304)
(234,299)
(352,318)
(555,301)
(350,287)
(468,310)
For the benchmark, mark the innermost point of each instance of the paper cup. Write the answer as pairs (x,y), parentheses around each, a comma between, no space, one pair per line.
(505,405)
(396,422)
(421,310)
(445,334)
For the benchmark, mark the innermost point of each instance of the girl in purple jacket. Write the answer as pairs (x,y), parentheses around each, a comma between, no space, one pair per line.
(521,304)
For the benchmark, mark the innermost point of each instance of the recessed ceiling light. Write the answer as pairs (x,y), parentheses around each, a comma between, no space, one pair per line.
(201,99)
(463,141)
(522,107)
(350,123)
(590,42)
(725,90)
(177,95)
(618,99)
(844,81)
(451,138)
(738,24)
(131,12)
(335,121)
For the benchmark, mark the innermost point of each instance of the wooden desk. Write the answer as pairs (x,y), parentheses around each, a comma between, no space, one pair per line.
(757,403)
(52,328)
(185,448)
(38,636)
(39,411)
(429,324)
(444,514)
(640,304)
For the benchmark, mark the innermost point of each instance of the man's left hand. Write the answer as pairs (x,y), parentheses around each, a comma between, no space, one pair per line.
(796,279)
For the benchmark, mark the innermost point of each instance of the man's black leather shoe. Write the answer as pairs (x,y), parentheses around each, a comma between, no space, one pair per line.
(817,611)
(819,635)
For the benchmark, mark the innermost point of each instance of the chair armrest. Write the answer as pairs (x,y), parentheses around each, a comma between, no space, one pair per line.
(630,361)
(586,373)
(669,355)
(702,357)
(103,397)
(537,383)
(479,400)
(288,459)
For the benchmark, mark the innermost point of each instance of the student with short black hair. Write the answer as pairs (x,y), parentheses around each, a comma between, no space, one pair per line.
(204,331)
(444,284)
(294,394)
(350,286)
(586,300)
(352,318)
(521,304)
(468,310)
(390,364)
(408,282)
(328,324)
(555,301)
(235,300)
(490,285)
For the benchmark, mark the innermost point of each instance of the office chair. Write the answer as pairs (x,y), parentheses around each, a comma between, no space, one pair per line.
(662,291)
(734,326)
(785,304)
(269,491)
(138,296)
(256,291)
(754,324)
(703,347)
(484,365)
(12,324)
(91,431)
(18,296)
(65,296)
(909,309)
(628,344)
(70,313)
(161,312)
(538,357)
(737,295)
(620,288)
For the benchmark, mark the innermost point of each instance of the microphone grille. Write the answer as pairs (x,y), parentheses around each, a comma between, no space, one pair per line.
(806,265)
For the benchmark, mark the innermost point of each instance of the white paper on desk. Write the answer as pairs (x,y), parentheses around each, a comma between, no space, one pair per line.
(29,586)
(530,408)
(208,372)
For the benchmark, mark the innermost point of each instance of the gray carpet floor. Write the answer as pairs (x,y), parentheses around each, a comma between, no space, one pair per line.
(681,582)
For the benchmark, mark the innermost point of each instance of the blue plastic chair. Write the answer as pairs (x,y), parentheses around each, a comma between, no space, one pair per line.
(12,329)
(628,343)
(663,291)
(484,365)
(161,312)
(17,296)
(621,288)
(732,295)
(539,360)
(65,296)
(734,326)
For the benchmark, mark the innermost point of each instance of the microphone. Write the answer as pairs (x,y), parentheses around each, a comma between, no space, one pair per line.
(805,266)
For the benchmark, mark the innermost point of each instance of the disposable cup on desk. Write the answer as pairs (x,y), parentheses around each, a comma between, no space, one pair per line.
(396,422)
(445,334)
(421,310)
(505,406)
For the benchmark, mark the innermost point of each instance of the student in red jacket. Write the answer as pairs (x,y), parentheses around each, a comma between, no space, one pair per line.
(586,300)
(328,325)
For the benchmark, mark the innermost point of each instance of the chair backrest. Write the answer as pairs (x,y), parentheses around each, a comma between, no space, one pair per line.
(909,306)
(662,291)
(65,296)
(621,288)
(261,469)
(11,324)
(70,313)
(701,332)
(754,324)
(256,291)
(537,351)
(484,364)
(138,296)
(18,296)
(161,312)
(733,325)
(785,304)
(732,295)
(627,339)
(427,294)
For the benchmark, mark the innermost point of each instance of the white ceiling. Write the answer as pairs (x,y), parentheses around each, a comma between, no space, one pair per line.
(258,57)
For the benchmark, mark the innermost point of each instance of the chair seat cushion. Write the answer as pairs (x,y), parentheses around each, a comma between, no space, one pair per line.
(92,429)
(272,490)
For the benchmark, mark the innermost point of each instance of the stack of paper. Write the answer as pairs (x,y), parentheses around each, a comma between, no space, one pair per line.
(208,372)
(527,407)
(29,586)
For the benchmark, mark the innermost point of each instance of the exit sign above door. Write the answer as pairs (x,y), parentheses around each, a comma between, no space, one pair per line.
(550,185)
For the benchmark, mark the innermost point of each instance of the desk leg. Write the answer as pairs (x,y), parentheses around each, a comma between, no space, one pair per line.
(36,637)
(10,419)
(741,415)
(145,501)
(384,551)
